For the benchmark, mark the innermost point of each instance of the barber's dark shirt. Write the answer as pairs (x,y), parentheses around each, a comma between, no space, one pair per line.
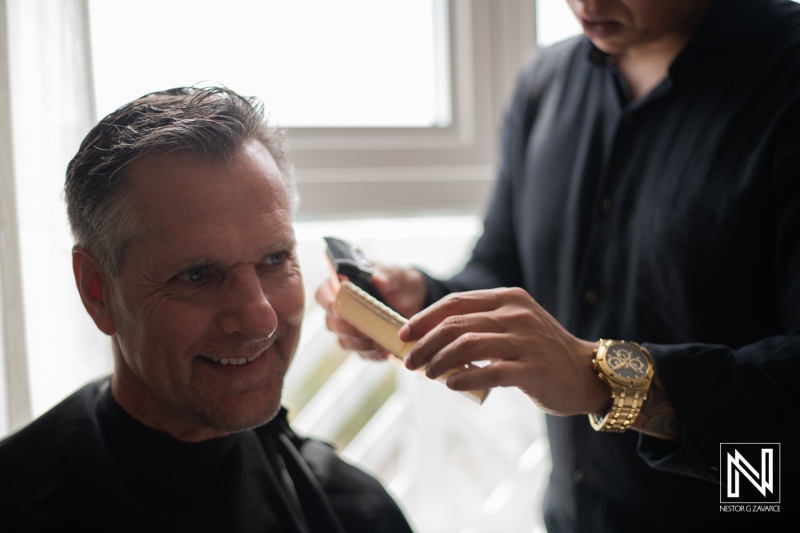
(672,220)
(87,465)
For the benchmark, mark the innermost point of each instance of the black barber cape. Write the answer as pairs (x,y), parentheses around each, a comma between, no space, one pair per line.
(87,464)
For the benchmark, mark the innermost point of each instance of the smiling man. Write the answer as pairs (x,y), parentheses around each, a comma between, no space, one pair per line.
(205,314)
(181,205)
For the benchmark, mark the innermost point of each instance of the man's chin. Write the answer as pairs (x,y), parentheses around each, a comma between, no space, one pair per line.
(230,400)
(239,415)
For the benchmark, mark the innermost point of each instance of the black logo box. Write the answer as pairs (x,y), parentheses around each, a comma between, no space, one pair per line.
(752,454)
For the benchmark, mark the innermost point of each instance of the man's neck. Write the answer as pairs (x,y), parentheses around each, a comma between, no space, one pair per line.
(645,67)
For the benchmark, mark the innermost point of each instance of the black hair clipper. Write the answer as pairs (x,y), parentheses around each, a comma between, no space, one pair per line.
(348,260)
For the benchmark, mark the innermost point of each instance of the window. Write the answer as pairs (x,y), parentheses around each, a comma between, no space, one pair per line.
(315,63)
(554,22)
(392,106)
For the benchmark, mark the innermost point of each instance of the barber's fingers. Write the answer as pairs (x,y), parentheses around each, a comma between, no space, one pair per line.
(463,350)
(456,341)
(513,342)
(348,336)
(325,295)
(487,339)
(466,321)
(342,327)
(456,304)
(496,374)
(351,338)
(403,288)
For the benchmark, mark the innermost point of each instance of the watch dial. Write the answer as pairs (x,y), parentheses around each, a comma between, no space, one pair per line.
(627,362)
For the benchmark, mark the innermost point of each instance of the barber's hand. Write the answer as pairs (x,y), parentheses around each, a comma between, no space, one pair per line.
(525,346)
(403,288)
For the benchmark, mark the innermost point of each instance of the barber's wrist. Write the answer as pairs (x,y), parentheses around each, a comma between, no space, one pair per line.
(598,395)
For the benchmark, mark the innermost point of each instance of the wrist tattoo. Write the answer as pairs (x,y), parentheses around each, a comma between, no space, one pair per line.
(658,417)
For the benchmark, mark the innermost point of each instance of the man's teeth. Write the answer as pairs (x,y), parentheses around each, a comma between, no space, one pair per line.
(234,360)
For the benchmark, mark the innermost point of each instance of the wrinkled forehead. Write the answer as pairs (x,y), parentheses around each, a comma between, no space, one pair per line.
(184,188)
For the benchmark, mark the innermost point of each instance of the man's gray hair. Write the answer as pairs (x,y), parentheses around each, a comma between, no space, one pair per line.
(213,122)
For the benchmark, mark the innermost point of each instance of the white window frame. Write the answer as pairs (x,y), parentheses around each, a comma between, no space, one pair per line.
(352,172)
(15,399)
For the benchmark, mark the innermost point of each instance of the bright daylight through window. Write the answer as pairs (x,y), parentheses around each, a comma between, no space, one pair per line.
(349,63)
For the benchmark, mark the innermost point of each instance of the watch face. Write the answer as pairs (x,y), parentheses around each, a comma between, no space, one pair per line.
(627,362)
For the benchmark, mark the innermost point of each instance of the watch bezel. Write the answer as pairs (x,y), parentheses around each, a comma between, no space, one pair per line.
(628,394)
(601,365)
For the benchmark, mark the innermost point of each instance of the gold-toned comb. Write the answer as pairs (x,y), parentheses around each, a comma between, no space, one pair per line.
(381,323)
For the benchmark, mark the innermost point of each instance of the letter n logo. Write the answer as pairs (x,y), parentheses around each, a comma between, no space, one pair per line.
(750,472)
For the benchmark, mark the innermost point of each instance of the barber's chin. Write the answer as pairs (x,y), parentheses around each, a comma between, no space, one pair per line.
(607,37)
(608,46)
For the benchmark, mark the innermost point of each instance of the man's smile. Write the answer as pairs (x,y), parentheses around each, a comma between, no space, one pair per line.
(233,360)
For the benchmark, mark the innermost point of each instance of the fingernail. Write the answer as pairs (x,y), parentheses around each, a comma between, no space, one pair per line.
(404,332)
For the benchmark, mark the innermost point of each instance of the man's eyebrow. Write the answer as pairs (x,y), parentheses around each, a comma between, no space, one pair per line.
(182,266)
(284,244)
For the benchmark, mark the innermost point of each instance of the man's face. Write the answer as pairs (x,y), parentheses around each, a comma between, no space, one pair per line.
(208,305)
(620,26)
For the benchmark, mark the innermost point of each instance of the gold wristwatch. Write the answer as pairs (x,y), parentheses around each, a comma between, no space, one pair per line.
(627,369)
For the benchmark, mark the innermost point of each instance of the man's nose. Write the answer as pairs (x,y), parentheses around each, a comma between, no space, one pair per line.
(246,309)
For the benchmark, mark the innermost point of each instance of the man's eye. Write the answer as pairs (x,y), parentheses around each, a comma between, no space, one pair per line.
(275,259)
(193,275)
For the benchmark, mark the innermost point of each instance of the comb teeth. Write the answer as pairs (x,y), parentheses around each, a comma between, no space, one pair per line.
(378,321)
(381,324)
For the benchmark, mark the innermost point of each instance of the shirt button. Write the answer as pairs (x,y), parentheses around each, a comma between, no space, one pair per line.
(607,204)
(579,476)
(590,296)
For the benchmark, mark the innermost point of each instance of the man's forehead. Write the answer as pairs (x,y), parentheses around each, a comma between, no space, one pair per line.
(180,162)
(193,205)
(171,248)
(188,185)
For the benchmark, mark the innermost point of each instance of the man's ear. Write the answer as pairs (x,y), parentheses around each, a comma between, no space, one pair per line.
(92,281)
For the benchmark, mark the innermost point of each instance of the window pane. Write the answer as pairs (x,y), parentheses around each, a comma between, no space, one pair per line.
(312,62)
(554,22)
